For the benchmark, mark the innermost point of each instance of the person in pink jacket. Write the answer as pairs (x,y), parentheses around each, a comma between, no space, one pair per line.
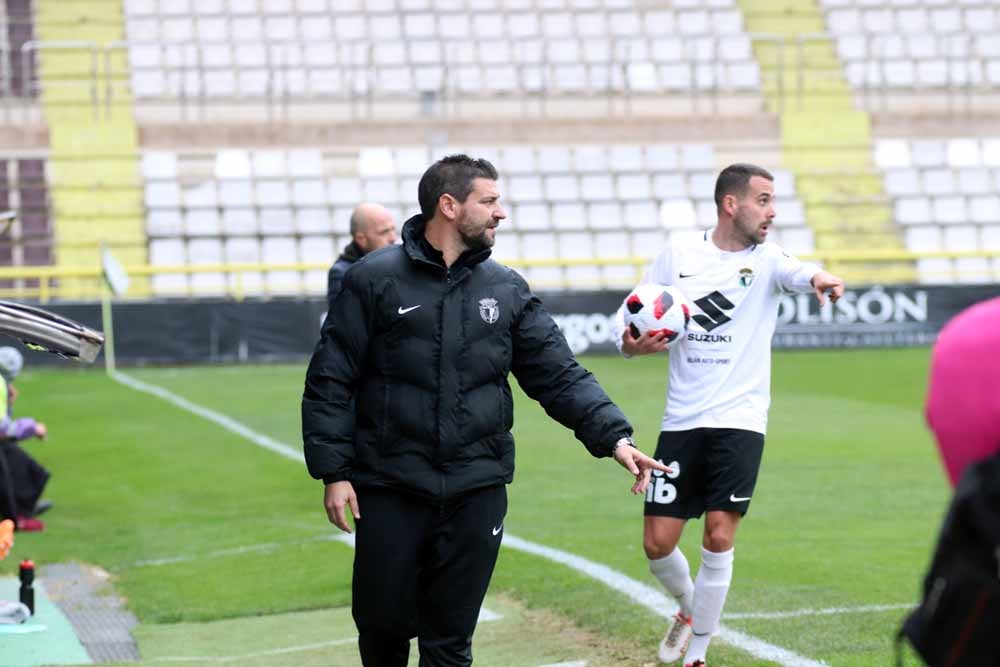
(963,401)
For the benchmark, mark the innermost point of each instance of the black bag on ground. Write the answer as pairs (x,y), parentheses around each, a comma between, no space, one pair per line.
(957,623)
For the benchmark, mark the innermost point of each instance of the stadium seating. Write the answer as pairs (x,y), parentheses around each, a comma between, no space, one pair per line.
(917,44)
(946,195)
(23,188)
(317,49)
(573,202)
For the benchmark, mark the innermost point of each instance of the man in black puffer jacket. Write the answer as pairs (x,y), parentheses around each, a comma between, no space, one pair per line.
(372,227)
(407,414)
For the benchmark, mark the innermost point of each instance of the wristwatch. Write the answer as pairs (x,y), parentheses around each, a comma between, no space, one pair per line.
(624,440)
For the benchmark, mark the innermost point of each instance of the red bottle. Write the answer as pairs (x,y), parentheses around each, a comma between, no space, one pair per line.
(27,575)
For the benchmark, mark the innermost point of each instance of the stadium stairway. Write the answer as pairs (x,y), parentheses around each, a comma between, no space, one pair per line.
(94,161)
(826,141)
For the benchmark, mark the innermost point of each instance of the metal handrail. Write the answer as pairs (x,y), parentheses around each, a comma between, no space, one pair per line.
(361,72)
(28,85)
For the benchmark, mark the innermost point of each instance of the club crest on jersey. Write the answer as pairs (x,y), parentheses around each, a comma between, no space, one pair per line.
(489,310)
(746,277)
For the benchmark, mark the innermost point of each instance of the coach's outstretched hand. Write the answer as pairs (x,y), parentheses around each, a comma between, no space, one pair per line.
(335,498)
(823,283)
(639,465)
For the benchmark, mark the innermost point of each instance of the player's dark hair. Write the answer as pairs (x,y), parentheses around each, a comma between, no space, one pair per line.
(735,179)
(452,175)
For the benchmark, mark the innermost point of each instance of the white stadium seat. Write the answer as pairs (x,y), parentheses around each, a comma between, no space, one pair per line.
(975,181)
(990,237)
(913,210)
(202,222)
(525,188)
(984,209)
(678,214)
(530,216)
(938,181)
(241,250)
(902,182)
(159,164)
(633,187)
(923,238)
(568,216)
(597,187)
(892,153)
(562,188)
(949,210)
(276,221)
(163,194)
(963,153)
(238,221)
(272,193)
(961,237)
(164,222)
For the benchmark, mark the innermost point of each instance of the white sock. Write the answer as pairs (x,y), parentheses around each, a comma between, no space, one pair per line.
(710,589)
(674,573)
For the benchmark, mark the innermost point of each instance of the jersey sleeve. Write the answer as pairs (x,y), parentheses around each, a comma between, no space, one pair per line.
(660,272)
(792,274)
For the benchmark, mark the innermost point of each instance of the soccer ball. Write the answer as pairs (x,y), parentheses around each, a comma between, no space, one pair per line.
(657,308)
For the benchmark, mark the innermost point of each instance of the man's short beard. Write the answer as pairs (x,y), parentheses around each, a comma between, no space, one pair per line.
(752,234)
(474,242)
(480,242)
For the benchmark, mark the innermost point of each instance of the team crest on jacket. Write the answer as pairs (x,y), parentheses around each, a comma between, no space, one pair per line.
(746,277)
(489,310)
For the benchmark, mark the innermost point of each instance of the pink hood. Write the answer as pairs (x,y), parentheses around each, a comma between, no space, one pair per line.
(963,399)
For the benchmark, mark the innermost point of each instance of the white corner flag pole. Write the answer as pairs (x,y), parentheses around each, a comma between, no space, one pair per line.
(116,281)
(107,323)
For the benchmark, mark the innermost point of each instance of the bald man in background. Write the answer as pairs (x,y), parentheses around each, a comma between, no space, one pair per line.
(372,227)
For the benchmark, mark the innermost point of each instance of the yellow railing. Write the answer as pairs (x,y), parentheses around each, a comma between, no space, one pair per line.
(41,283)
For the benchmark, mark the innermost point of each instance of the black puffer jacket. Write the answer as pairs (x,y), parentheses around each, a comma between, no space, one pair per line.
(408,385)
(335,276)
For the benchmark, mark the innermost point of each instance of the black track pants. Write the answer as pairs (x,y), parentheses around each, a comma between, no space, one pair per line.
(421,570)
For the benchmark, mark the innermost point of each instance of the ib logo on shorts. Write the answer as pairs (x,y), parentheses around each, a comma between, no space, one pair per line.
(661,491)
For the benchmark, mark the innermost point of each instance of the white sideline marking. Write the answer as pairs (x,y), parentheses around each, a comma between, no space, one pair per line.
(657,602)
(487,615)
(830,611)
(575,663)
(644,595)
(346,538)
(247,656)
(225,422)
(234,551)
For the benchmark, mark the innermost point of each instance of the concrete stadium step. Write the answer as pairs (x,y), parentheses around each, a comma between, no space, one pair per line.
(96,188)
(826,143)
(839,186)
(781,22)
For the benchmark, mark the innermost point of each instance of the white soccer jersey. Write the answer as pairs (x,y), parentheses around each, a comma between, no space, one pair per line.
(720,373)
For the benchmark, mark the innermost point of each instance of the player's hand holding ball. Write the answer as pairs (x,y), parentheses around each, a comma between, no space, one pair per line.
(656,318)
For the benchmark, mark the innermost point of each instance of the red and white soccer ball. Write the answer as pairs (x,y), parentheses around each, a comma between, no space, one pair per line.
(657,308)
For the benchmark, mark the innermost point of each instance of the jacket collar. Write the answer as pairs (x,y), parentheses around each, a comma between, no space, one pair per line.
(351,253)
(419,249)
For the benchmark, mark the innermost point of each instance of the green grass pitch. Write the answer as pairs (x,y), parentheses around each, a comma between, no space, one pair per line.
(202,529)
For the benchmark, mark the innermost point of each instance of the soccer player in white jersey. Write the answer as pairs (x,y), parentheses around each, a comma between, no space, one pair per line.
(712,434)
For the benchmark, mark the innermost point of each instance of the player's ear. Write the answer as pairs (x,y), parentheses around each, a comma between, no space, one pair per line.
(729,204)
